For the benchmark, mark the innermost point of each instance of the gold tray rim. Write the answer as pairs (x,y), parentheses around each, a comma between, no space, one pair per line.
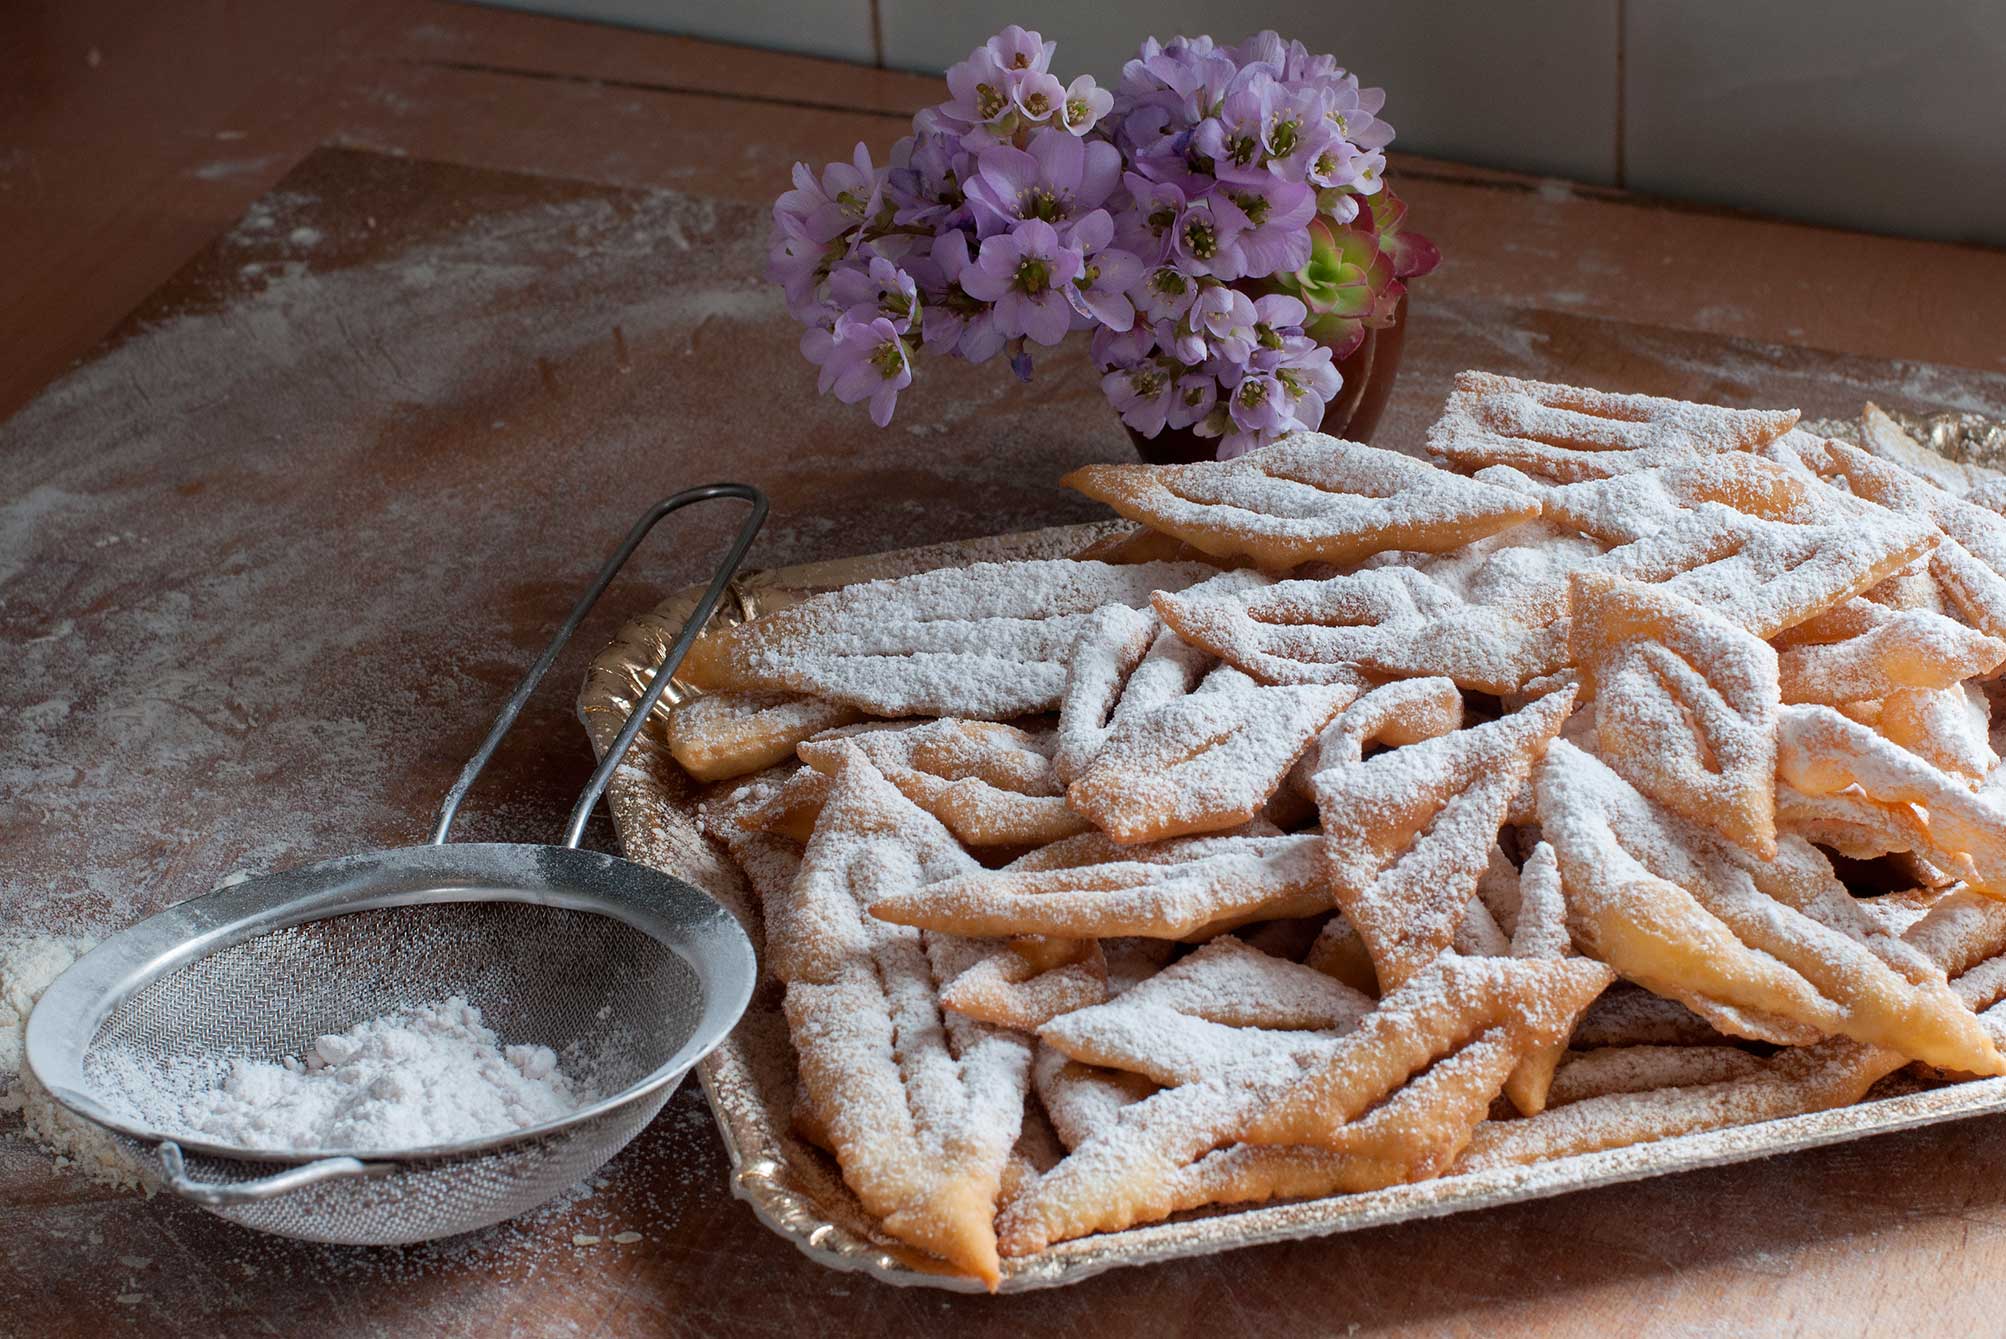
(656,821)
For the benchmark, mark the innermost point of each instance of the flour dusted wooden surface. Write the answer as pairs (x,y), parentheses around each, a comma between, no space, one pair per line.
(271,554)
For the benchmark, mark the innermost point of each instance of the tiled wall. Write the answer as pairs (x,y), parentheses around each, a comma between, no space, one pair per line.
(1859,113)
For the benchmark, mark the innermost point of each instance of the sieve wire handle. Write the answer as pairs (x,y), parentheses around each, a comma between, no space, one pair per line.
(574,830)
(219,1194)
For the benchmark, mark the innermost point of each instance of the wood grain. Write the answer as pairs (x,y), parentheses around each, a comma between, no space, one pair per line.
(271,553)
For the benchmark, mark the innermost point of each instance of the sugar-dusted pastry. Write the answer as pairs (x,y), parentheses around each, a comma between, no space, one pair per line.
(1676,911)
(1164,890)
(1567,433)
(1685,704)
(1385,622)
(1825,755)
(985,642)
(920,1107)
(1222,1004)
(991,784)
(1624,508)
(1307,498)
(1958,935)
(1030,983)
(1206,762)
(1769,576)
(1408,832)
(722,735)
(1907,648)
(1394,1099)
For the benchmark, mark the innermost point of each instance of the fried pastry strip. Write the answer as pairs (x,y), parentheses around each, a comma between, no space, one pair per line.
(1569,433)
(1390,622)
(1771,575)
(869,841)
(1949,728)
(921,1109)
(1824,755)
(1395,1099)
(1025,987)
(991,784)
(1306,498)
(984,642)
(1685,705)
(1765,957)
(1625,508)
(1409,832)
(1204,763)
(1540,932)
(1180,889)
(1960,932)
(1906,649)
(1220,1005)
(721,735)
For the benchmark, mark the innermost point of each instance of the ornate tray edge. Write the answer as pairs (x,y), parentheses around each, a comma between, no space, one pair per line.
(644,792)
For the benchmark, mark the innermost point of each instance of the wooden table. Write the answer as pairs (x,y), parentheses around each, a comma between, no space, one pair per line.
(272,552)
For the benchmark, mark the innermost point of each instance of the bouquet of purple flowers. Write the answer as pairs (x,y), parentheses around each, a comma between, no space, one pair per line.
(1220,222)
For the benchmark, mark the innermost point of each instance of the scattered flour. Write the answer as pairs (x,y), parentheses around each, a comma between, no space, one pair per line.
(27,966)
(429,1074)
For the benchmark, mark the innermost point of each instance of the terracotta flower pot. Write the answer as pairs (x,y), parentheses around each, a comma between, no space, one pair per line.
(1368,381)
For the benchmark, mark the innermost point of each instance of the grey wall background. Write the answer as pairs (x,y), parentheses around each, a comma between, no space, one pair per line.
(1888,115)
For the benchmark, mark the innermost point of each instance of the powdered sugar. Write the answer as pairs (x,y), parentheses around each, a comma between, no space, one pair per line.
(428,1075)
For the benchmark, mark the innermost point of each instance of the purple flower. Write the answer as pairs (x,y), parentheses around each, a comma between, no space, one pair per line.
(1296,132)
(1025,272)
(796,262)
(982,91)
(1126,348)
(1205,239)
(1195,395)
(862,361)
(954,322)
(814,226)
(1265,49)
(865,293)
(1037,96)
(1334,163)
(1022,208)
(1276,315)
(1225,318)
(1165,294)
(927,168)
(1107,273)
(1354,111)
(1259,404)
(1016,48)
(1084,105)
(1234,139)
(1058,179)
(826,208)
(1142,394)
(1270,229)
(1307,375)
(1148,223)
(1191,68)
(1371,167)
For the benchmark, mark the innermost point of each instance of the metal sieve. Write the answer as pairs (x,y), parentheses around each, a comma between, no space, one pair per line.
(630,975)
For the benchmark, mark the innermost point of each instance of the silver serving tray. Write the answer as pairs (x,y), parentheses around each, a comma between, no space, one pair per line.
(796,1190)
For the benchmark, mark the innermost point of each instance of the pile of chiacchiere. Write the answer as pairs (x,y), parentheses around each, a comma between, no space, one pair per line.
(1625,768)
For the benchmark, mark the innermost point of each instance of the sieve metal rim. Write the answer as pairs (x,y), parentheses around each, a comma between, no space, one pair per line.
(688,922)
